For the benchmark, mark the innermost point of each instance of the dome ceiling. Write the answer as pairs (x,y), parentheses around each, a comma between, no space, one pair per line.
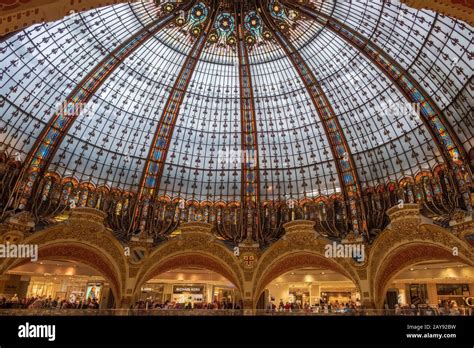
(239,100)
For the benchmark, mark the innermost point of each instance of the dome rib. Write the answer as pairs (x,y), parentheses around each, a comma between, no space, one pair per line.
(250,174)
(346,169)
(51,137)
(156,160)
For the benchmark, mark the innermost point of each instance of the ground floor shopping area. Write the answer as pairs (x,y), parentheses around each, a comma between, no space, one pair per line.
(189,289)
(435,288)
(61,285)
(55,285)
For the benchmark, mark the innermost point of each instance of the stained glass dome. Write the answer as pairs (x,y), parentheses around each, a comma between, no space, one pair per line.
(242,113)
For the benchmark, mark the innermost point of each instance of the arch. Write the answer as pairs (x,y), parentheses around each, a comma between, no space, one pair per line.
(70,179)
(195,259)
(196,246)
(408,242)
(406,255)
(295,260)
(88,255)
(84,238)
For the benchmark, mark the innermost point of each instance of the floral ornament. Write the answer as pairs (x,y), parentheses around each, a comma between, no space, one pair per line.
(286,17)
(224,30)
(168,7)
(192,22)
(256,33)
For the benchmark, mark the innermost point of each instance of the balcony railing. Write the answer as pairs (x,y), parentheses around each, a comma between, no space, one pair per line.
(232,312)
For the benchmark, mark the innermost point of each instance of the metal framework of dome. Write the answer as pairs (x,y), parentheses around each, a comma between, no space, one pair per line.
(243,114)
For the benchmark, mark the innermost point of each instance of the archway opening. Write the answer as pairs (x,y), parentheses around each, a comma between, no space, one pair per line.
(434,287)
(58,285)
(189,288)
(407,257)
(308,290)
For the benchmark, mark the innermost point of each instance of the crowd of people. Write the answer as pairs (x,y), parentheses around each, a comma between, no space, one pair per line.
(43,302)
(169,305)
(355,308)
(349,308)
(443,308)
(321,307)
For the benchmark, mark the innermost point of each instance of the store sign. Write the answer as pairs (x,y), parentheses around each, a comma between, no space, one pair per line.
(194,289)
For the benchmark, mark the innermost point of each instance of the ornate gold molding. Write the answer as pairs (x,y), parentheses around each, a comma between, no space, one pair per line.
(460,9)
(84,238)
(299,226)
(191,248)
(16,227)
(196,226)
(300,247)
(19,14)
(410,238)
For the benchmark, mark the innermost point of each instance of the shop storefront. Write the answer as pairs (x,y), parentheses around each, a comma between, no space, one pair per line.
(191,296)
(224,295)
(434,294)
(299,296)
(336,297)
(153,293)
(453,292)
(72,290)
(45,287)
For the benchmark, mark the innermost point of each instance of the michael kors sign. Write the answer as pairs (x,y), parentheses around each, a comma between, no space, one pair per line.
(194,289)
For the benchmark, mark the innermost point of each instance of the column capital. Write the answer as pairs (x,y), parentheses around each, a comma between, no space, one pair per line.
(299,226)
(405,216)
(196,226)
(14,229)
